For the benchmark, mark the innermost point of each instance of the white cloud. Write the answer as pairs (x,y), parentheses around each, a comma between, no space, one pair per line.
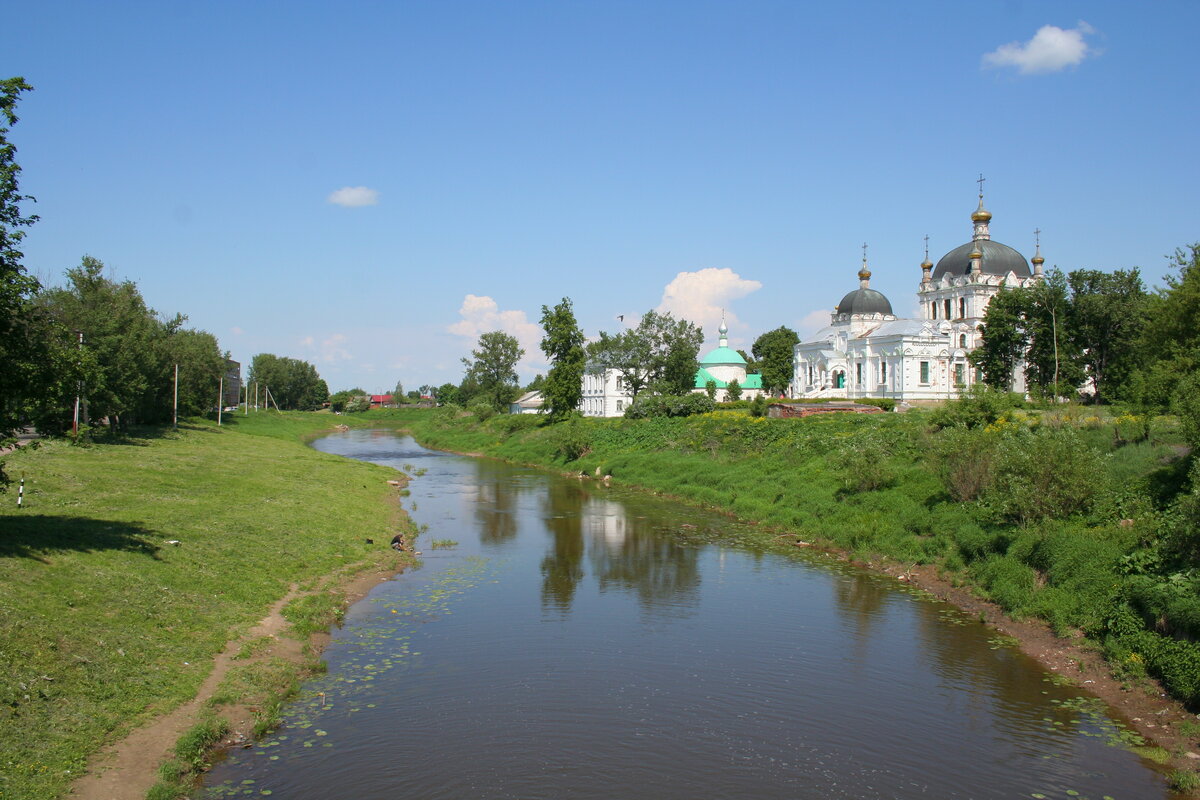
(354,197)
(329,350)
(701,296)
(481,314)
(812,322)
(236,330)
(1050,50)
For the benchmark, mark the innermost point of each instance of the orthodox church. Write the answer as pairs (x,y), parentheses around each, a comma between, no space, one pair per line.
(867,351)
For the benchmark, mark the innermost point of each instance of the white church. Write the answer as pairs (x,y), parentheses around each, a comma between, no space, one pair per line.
(867,351)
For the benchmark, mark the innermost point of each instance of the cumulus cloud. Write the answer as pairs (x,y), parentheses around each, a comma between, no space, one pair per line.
(481,314)
(1051,49)
(329,350)
(354,197)
(812,322)
(701,296)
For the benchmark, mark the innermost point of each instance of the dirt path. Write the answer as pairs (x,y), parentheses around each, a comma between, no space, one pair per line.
(127,769)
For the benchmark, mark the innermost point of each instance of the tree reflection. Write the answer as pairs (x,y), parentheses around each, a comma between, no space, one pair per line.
(495,504)
(562,568)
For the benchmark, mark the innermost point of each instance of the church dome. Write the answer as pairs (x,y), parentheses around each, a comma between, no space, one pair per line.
(864,301)
(722,355)
(998,259)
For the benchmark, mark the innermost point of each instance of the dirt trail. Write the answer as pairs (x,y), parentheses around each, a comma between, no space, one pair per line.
(126,770)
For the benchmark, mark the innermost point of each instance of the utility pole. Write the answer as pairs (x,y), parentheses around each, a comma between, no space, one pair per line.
(78,393)
(220,399)
(175,422)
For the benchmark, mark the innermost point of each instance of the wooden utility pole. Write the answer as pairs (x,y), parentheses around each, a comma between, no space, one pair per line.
(175,413)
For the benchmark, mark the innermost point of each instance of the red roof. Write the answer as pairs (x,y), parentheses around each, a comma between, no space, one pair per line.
(381,398)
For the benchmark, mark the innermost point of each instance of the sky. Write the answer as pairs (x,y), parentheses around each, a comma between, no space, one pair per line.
(369,186)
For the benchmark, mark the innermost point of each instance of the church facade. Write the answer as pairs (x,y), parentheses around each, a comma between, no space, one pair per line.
(867,351)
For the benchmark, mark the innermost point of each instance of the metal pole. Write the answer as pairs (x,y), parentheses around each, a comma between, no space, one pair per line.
(78,392)
(220,399)
(175,412)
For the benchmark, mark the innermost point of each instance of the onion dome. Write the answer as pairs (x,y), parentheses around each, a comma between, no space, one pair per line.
(981,214)
(995,258)
(864,301)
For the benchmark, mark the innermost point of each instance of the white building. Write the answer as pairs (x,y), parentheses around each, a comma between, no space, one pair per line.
(722,366)
(604,393)
(866,351)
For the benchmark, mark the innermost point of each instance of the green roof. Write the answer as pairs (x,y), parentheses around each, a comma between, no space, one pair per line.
(723,355)
(703,376)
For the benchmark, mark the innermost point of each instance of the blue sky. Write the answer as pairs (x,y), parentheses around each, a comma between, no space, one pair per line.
(370,186)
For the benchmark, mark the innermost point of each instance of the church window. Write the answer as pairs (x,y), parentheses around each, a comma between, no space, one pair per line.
(619,404)
(858,373)
(933,310)
(958,375)
(839,380)
(947,304)
(810,375)
(883,372)
(962,340)
(962,308)
(924,372)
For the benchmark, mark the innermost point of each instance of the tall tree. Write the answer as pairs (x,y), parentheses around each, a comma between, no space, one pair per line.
(1003,341)
(1052,365)
(294,384)
(493,368)
(21,361)
(775,353)
(1107,313)
(659,354)
(123,336)
(562,344)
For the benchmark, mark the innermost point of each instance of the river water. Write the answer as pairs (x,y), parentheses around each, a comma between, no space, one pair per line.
(578,642)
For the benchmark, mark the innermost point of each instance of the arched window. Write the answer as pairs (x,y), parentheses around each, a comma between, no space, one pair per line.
(933,310)
(962,308)
(947,303)
(962,340)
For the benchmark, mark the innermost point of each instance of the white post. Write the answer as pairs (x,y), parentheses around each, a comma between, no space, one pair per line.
(175,423)
(78,392)
(220,399)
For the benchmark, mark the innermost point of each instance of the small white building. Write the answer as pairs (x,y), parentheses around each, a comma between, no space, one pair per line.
(528,403)
(866,351)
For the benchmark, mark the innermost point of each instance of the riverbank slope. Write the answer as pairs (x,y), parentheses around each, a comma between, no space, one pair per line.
(133,563)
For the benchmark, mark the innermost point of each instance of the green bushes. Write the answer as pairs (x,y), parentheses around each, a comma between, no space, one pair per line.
(1047,473)
(1175,663)
(667,405)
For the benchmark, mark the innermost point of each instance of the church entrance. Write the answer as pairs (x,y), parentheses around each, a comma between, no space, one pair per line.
(839,379)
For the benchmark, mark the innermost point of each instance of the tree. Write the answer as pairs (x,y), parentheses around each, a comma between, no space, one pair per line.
(563,346)
(659,354)
(775,353)
(1052,365)
(294,384)
(124,337)
(710,389)
(1003,339)
(446,394)
(493,368)
(1107,313)
(733,390)
(22,356)
(339,400)
(398,393)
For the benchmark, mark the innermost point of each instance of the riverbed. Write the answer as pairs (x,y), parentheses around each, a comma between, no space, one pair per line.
(564,640)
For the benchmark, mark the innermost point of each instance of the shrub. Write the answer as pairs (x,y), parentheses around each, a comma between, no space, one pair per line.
(1047,473)
(886,403)
(482,410)
(981,406)
(1175,663)
(758,406)
(666,405)
(965,459)
(572,440)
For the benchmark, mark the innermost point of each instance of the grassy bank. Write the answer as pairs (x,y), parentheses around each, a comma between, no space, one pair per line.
(105,623)
(1067,515)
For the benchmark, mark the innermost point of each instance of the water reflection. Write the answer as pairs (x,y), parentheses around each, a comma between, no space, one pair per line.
(586,643)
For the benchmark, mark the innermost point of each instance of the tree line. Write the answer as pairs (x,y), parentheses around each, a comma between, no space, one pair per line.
(1100,332)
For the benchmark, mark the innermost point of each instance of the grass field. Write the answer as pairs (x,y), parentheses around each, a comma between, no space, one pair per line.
(105,623)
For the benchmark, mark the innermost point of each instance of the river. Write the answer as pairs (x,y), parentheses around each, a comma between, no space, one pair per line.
(582,642)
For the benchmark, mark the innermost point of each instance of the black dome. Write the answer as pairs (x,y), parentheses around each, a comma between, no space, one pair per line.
(864,301)
(998,259)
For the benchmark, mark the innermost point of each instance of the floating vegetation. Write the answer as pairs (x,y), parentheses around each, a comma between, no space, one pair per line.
(420,472)
(382,645)
(1000,640)
(443,544)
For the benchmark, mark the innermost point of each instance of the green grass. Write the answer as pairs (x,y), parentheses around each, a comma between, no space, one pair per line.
(104,624)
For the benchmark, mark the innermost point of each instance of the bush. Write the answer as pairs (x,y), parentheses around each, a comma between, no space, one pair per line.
(965,459)
(981,406)
(758,406)
(666,405)
(1175,663)
(482,410)
(1048,473)
(572,440)
(886,403)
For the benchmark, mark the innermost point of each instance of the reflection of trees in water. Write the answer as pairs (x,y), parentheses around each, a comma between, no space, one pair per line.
(562,568)
(860,602)
(495,504)
(631,553)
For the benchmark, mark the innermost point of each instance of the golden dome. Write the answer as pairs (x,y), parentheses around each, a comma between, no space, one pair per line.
(926,264)
(982,215)
(1038,259)
(864,274)
(975,254)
